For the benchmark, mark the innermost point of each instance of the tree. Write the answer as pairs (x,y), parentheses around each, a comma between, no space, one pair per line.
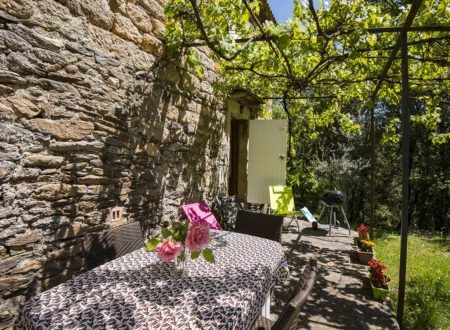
(323,66)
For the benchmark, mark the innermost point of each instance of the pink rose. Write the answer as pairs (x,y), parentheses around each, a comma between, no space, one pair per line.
(198,236)
(169,249)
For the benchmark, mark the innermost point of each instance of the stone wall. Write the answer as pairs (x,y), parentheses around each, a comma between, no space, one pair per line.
(93,116)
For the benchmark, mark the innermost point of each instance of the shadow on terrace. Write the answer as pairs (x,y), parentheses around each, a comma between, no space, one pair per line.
(341,297)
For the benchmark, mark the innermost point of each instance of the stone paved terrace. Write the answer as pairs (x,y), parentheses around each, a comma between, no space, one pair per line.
(341,298)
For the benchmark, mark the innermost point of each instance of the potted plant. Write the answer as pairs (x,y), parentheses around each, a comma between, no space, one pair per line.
(378,279)
(363,234)
(365,252)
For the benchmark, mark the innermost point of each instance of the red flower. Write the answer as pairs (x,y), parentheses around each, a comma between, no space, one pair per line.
(377,276)
(363,232)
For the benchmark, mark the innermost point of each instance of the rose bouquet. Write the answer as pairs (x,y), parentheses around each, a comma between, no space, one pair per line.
(173,244)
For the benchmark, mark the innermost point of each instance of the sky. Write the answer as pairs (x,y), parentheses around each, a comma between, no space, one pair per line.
(282,9)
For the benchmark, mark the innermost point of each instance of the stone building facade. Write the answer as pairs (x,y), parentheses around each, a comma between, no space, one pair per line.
(94,117)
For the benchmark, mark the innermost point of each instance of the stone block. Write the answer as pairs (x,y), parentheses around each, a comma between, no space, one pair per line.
(6,111)
(98,13)
(27,265)
(159,29)
(138,17)
(113,82)
(23,240)
(64,129)
(8,263)
(43,161)
(153,8)
(74,166)
(124,28)
(53,85)
(19,8)
(55,191)
(24,107)
(23,65)
(151,44)
(67,77)
(21,173)
(37,39)
(78,48)
(12,78)
(106,60)
(4,91)
(14,42)
(6,18)
(13,283)
(95,180)
(66,252)
(77,229)
(4,172)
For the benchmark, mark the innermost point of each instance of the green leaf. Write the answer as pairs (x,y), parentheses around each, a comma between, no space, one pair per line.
(195,254)
(166,233)
(208,255)
(283,41)
(151,245)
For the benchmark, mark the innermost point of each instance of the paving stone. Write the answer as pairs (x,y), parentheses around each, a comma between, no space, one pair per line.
(341,297)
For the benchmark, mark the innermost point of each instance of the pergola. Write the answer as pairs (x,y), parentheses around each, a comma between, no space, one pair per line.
(401,45)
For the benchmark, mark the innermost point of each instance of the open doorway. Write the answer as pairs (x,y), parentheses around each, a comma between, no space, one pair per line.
(237,185)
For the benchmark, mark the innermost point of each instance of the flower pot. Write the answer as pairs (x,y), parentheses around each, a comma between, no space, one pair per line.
(379,293)
(365,257)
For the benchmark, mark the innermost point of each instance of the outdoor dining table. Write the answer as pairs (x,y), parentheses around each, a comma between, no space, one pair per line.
(138,291)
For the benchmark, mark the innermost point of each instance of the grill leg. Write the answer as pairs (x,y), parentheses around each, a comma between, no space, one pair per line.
(321,212)
(346,221)
(331,221)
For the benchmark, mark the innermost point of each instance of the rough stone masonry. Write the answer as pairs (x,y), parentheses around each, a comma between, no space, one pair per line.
(94,116)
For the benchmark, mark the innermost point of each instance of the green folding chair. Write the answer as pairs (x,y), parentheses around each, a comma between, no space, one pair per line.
(282,203)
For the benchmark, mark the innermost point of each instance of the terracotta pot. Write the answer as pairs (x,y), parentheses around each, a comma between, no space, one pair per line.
(365,257)
(379,293)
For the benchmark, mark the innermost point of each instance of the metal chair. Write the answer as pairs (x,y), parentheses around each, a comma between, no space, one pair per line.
(282,203)
(259,224)
(288,319)
(99,248)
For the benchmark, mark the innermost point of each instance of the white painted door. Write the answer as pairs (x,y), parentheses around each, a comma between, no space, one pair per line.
(267,149)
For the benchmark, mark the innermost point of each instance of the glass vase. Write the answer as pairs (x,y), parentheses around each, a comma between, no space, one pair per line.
(180,264)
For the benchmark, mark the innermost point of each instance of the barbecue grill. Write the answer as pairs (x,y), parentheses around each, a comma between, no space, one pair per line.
(332,201)
(333,197)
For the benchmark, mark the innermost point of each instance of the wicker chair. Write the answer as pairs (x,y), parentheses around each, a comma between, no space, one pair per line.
(105,246)
(259,224)
(288,319)
(226,208)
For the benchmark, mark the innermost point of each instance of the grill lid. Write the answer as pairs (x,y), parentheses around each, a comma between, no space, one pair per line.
(334,197)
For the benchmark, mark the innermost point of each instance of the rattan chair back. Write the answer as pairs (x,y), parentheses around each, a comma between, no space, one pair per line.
(259,224)
(105,246)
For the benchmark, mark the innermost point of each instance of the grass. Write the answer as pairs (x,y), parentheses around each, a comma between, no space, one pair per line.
(427,295)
